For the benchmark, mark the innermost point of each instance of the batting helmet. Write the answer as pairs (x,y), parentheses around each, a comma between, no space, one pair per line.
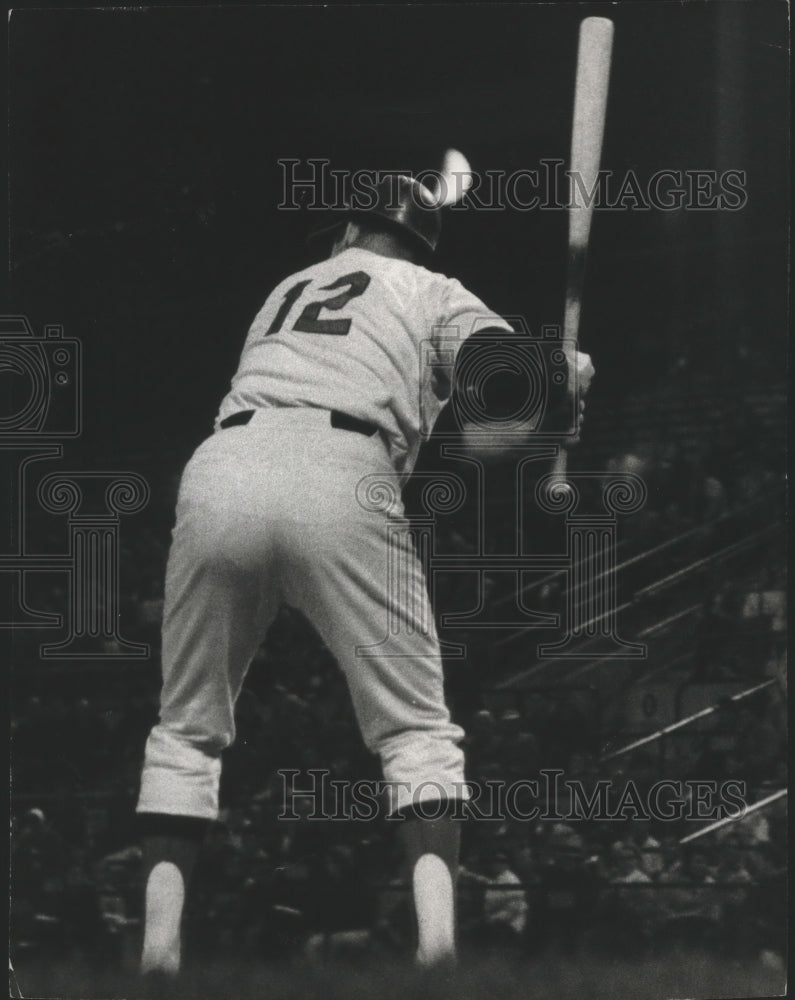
(402,205)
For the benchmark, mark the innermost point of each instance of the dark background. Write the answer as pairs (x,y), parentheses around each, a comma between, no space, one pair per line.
(144,182)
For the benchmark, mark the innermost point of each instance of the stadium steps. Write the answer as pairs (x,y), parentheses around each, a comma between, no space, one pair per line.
(661,600)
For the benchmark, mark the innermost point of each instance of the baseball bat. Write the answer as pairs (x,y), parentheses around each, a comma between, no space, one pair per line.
(594,52)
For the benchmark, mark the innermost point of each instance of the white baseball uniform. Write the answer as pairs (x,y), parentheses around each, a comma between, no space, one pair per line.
(268,512)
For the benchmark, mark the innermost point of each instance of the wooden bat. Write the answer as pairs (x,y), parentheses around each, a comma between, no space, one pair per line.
(594,53)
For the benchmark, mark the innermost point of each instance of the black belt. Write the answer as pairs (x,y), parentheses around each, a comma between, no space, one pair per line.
(344,421)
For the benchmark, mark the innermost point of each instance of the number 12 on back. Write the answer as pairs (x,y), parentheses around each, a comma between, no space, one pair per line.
(309,320)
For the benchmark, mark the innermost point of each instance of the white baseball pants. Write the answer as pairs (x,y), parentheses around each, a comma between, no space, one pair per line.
(268,513)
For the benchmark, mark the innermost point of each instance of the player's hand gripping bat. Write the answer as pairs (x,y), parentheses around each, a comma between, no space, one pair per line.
(590,103)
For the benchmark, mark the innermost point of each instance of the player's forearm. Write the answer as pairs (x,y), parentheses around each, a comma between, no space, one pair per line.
(504,402)
(503,374)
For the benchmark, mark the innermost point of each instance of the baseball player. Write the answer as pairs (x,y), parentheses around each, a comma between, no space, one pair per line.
(331,388)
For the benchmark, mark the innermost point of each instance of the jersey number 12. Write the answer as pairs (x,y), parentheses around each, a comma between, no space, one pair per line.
(309,321)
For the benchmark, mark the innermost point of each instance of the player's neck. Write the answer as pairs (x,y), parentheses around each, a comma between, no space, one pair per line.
(384,245)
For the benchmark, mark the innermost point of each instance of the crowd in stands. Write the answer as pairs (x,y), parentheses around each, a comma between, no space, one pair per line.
(264,892)
(268,886)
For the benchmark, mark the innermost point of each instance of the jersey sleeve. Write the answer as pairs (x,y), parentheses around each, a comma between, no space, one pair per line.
(464,314)
(460,316)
